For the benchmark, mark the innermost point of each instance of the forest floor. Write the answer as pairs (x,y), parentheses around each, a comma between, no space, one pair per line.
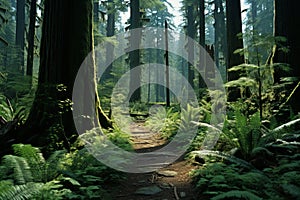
(169,183)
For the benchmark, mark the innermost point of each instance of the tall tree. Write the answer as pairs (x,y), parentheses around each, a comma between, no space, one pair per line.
(110,31)
(234,41)
(220,33)
(191,32)
(134,56)
(20,31)
(234,28)
(287,25)
(201,17)
(31,34)
(67,38)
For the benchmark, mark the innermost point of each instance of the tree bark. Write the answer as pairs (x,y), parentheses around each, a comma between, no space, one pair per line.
(110,31)
(67,38)
(234,27)
(20,33)
(287,25)
(201,83)
(31,34)
(134,56)
(191,32)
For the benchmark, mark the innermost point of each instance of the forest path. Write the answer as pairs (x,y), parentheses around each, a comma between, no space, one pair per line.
(170,183)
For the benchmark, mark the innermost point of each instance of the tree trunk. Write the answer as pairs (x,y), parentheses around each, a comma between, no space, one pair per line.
(20,33)
(167,65)
(201,83)
(67,39)
(96,11)
(191,32)
(110,31)
(234,42)
(30,53)
(134,56)
(220,33)
(287,25)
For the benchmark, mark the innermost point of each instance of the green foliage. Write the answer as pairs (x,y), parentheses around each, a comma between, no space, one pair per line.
(235,178)
(29,176)
(163,121)
(74,175)
(230,181)
(20,167)
(18,192)
(139,108)
(236,194)
(218,178)
(246,131)
(119,138)
(258,88)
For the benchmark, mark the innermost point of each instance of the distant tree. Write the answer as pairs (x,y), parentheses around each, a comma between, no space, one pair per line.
(191,33)
(110,31)
(20,32)
(201,22)
(31,36)
(135,56)
(220,34)
(157,14)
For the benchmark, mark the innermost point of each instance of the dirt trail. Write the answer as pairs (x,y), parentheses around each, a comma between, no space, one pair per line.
(172,182)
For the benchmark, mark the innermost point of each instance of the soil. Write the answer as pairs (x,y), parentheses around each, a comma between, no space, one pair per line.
(172,187)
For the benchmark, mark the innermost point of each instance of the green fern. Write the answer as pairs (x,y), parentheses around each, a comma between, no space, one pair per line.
(225,156)
(43,170)
(18,192)
(21,169)
(236,194)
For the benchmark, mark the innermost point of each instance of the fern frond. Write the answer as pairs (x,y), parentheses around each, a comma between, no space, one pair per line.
(291,190)
(34,158)
(18,192)
(52,165)
(228,157)
(286,125)
(235,194)
(21,169)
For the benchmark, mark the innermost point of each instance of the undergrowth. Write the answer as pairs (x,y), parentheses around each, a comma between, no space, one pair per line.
(75,175)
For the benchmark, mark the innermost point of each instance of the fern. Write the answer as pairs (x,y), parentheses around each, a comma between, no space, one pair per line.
(291,190)
(43,170)
(52,165)
(18,192)
(21,170)
(225,156)
(34,158)
(235,194)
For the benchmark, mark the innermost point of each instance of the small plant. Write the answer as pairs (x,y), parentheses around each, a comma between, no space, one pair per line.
(27,175)
(164,122)
(74,175)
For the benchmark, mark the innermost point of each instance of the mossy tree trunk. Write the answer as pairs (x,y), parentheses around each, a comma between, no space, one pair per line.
(67,39)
